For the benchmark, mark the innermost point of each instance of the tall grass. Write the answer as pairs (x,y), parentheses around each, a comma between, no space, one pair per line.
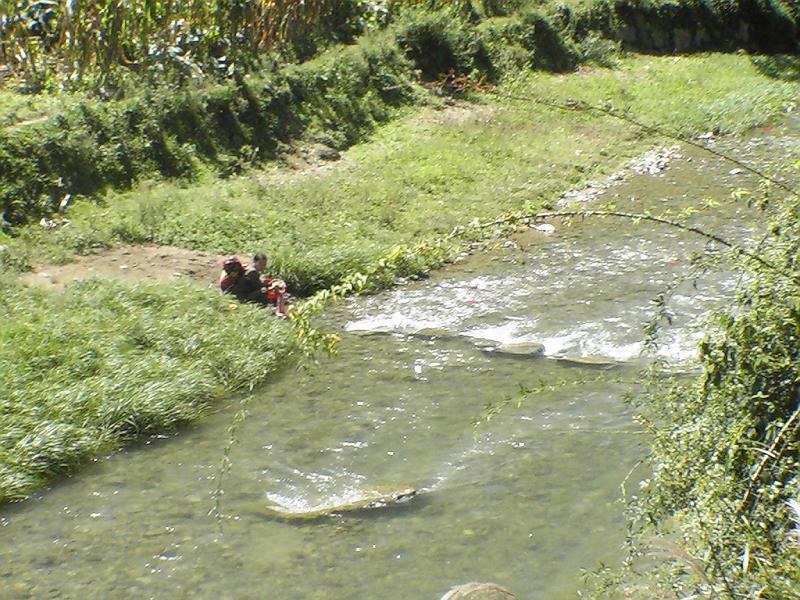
(107,361)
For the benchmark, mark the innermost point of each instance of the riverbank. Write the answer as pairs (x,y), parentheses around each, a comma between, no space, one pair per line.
(106,361)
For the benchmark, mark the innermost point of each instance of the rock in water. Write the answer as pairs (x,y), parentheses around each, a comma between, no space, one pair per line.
(479,591)
(521,349)
(376,498)
(600,362)
(432,333)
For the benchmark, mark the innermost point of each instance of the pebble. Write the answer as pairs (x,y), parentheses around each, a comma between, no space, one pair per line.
(545,228)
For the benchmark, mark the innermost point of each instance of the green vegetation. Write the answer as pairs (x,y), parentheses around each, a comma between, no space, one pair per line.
(476,161)
(87,39)
(129,123)
(386,203)
(171,129)
(721,507)
(106,362)
(159,117)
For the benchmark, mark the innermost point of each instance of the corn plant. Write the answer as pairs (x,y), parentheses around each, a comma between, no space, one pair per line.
(77,37)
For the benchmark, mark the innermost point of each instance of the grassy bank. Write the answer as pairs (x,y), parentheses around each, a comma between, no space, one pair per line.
(148,118)
(107,361)
(458,163)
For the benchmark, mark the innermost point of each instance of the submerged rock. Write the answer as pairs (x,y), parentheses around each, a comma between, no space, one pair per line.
(479,591)
(601,362)
(521,349)
(379,497)
(371,332)
(430,333)
(546,228)
(483,343)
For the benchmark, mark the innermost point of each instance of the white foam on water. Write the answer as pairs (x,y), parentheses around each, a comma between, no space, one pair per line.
(502,334)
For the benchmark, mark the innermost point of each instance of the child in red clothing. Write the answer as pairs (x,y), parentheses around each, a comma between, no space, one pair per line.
(248,285)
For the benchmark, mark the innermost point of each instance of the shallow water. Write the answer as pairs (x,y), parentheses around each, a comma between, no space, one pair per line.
(528,500)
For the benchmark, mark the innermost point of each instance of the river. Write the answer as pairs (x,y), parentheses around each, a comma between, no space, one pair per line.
(529,499)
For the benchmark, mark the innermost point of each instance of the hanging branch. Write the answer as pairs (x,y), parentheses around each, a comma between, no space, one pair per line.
(643,217)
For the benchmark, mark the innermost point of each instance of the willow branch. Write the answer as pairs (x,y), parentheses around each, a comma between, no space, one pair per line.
(645,217)
(792,424)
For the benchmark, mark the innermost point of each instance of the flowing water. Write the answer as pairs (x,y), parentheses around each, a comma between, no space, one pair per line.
(528,499)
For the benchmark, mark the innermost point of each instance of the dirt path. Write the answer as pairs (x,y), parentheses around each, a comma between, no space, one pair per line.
(131,263)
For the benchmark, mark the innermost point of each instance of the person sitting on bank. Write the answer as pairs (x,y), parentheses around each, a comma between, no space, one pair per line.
(252,286)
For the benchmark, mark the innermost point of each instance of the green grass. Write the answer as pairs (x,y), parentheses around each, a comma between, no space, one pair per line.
(725,93)
(425,173)
(107,361)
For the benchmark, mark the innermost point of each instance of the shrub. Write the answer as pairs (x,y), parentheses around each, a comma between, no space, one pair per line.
(166,129)
(530,41)
(440,42)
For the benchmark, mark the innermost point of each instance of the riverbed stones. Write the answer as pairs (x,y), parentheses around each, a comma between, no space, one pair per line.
(378,331)
(433,333)
(600,362)
(479,591)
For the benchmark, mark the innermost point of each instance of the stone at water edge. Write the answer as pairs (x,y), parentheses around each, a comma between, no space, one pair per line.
(479,591)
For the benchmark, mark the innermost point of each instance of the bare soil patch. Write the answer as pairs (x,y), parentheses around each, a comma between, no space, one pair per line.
(131,263)
(459,113)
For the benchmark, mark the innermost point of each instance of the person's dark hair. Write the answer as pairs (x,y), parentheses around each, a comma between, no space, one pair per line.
(258,257)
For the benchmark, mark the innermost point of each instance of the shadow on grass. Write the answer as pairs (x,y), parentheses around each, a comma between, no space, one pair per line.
(780,66)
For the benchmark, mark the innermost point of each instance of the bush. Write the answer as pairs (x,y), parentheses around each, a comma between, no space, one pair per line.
(530,41)
(726,445)
(440,42)
(167,130)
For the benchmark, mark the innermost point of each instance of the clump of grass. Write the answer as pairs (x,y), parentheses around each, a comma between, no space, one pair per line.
(108,361)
